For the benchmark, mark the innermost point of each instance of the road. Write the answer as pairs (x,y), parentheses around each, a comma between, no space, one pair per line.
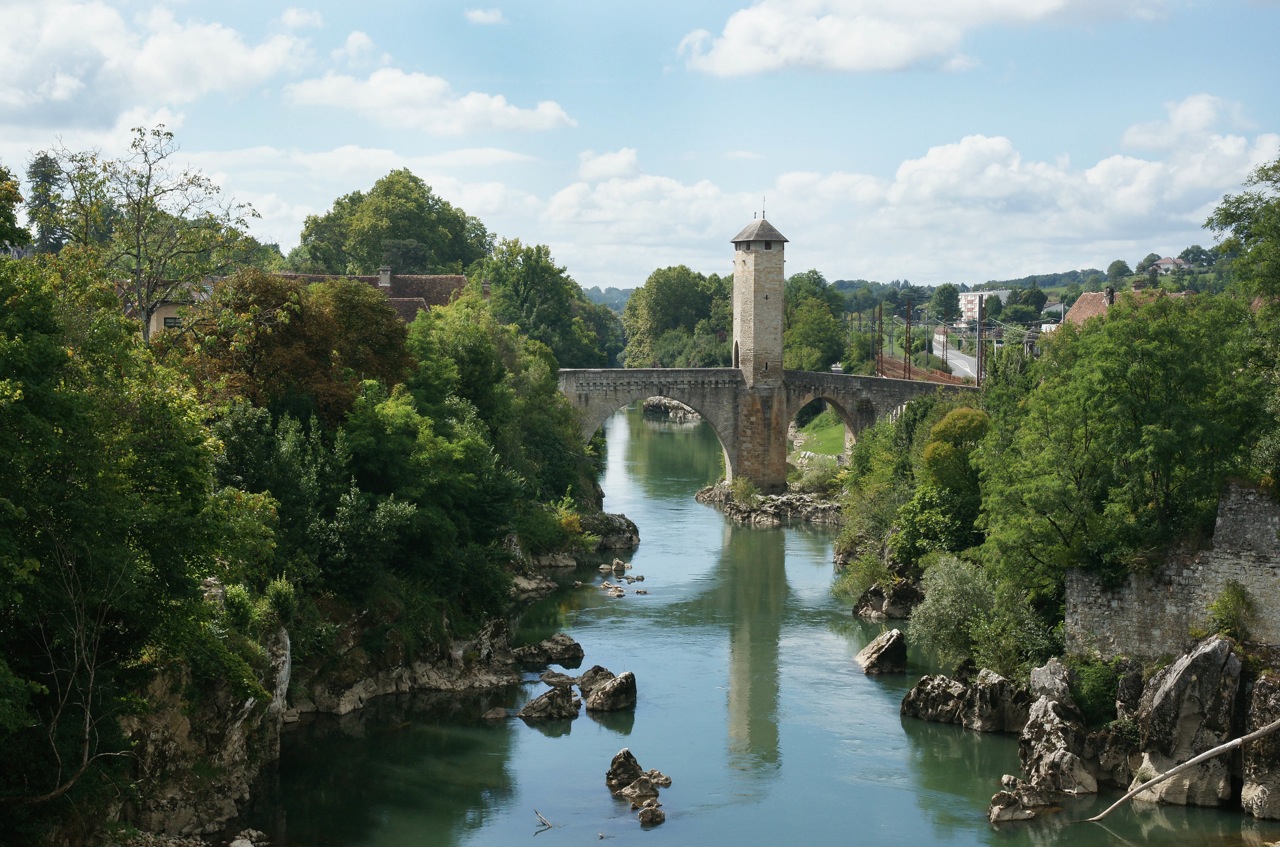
(962,365)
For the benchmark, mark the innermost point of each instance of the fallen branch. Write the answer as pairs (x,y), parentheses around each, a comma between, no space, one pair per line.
(546,823)
(1190,763)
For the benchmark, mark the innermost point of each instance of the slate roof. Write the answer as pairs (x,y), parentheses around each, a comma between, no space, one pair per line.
(759,230)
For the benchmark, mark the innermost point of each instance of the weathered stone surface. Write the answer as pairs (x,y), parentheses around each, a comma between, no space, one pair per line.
(559,649)
(658,778)
(935,698)
(613,695)
(672,410)
(497,713)
(558,680)
(1260,795)
(535,585)
(623,770)
(640,789)
(994,704)
(556,704)
(990,703)
(1052,747)
(773,509)
(1186,709)
(887,653)
(593,677)
(894,601)
(616,532)
(651,816)
(1050,680)
(237,737)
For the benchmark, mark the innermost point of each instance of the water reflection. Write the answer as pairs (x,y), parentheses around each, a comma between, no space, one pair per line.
(668,455)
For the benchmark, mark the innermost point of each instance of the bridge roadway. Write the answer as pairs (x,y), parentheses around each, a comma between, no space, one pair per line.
(750,422)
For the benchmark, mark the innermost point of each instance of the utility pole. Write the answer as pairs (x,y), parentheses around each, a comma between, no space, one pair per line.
(979,340)
(906,346)
(880,340)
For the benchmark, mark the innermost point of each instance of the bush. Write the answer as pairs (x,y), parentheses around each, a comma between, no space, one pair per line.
(282,600)
(818,476)
(1231,613)
(859,575)
(1093,686)
(239,607)
(744,492)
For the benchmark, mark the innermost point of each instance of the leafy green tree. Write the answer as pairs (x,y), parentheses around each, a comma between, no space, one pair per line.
(400,222)
(1147,263)
(531,291)
(814,338)
(46,180)
(677,300)
(12,234)
(1118,270)
(1197,256)
(1123,442)
(945,303)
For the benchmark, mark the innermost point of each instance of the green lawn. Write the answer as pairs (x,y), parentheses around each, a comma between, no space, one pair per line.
(824,435)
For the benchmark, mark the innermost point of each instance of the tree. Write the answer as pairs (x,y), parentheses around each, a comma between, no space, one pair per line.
(400,222)
(1147,263)
(814,339)
(1118,270)
(47,181)
(1197,256)
(945,303)
(160,229)
(12,234)
(673,300)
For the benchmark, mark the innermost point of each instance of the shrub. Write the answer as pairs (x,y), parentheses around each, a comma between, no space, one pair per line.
(282,600)
(1093,686)
(860,574)
(1232,611)
(744,492)
(819,476)
(239,607)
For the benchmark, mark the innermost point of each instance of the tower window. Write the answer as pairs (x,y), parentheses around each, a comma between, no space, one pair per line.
(768,245)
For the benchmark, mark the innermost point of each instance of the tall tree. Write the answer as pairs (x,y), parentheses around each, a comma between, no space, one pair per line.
(46,180)
(945,303)
(12,234)
(160,229)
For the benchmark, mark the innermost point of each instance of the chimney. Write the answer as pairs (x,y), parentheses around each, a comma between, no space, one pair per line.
(484,288)
(1110,294)
(384,277)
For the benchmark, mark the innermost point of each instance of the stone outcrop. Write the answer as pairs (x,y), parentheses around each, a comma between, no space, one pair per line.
(1186,709)
(593,677)
(196,759)
(887,653)
(616,532)
(664,408)
(990,703)
(1260,795)
(1051,749)
(485,661)
(612,695)
(532,586)
(626,780)
(773,509)
(559,649)
(623,770)
(556,704)
(894,601)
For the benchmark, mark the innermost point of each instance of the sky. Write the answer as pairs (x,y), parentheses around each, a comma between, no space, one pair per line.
(932,140)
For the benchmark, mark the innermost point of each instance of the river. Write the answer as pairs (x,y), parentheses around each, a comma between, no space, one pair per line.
(749,700)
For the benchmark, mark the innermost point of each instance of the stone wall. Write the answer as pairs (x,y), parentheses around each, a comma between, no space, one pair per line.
(1151,614)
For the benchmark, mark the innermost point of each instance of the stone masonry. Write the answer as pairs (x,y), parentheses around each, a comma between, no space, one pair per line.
(1152,613)
(750,405)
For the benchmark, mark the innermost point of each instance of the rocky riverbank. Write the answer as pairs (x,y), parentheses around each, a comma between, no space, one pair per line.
(1199,701)
(198,757)
(772,509)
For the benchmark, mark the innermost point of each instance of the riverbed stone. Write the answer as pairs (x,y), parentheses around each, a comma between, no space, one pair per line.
(886,654)
(935,698)
(613,695)
(623,770)
(556,704)
(995,704)
(1186,709)
(593,677)
(559,649)
(1260,795)
(640,789)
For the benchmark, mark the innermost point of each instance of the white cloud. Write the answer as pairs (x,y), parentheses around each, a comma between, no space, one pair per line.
(743,155)
(485,17)
(359,50)
(594,167)
(872,35)
(1195,115)
(69,63)
(295,18)
(415,100)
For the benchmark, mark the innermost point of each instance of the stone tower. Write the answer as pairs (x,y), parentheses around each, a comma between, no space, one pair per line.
(758,284)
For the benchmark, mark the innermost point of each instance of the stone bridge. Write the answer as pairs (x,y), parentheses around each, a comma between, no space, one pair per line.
(751,423)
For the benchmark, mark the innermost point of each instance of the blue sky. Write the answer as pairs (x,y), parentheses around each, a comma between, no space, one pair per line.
(937,140)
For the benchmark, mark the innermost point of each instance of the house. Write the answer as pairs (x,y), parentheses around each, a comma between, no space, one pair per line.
(407,294)
(1094,304)
(969,302)
(1168,265)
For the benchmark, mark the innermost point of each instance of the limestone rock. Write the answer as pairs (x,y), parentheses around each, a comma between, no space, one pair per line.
(616,532)
(613,695)
(1186,709)
(593,677)
(894,601)
(556,704)
(558,680)
(559,649)
(658,778)
(1050,681)
(1260,796)
(641,789)
(994,704)
(497,713)
(886,654)
(651,816)
(623,770)
(935,698)
(1052,747)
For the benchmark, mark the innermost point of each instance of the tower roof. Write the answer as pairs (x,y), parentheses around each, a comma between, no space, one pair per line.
(759,230)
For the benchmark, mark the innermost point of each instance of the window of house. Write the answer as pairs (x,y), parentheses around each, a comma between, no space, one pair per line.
(173,323)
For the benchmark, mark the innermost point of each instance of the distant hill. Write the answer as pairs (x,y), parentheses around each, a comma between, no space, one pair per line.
(615,298)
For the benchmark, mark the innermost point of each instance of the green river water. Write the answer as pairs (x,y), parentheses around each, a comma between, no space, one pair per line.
(749,700)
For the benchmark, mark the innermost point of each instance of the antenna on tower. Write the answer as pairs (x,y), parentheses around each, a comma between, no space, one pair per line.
(762,205)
